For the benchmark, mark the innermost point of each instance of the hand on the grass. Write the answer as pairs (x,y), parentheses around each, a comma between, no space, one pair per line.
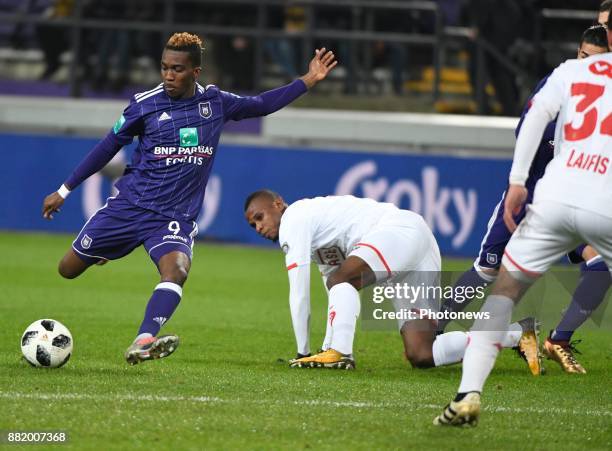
(52,204)
(515,198)
(320,65)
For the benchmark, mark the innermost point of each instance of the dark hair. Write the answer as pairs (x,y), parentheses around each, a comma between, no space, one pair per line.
(187,42)
(605,6)
(272,195)
(595,35)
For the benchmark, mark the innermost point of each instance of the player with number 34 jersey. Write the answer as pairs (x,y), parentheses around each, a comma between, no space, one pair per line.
(571,205)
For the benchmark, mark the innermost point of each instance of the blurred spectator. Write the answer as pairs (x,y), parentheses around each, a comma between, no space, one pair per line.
(497,22)
(393,54)
(235,55)
(53,40)
(451,11)
(119,44)
(284,51)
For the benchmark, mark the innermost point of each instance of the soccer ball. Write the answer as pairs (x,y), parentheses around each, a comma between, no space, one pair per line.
(46,343)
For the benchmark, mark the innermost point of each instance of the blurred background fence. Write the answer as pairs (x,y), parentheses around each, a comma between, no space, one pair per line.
(463,56)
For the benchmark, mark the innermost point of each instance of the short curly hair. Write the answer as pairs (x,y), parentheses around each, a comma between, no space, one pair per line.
(187,42)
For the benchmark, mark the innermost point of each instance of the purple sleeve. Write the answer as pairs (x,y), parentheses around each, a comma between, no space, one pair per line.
(95,160)
(237,107)
(130,124)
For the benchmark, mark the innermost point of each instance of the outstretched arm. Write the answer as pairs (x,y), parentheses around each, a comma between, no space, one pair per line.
(238,107)
(95,160)
(319,66)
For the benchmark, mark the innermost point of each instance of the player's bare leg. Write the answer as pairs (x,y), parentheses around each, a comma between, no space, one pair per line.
(72,266)
(418,336)
(173,268)
(343,284)
(424,349)
(486,338)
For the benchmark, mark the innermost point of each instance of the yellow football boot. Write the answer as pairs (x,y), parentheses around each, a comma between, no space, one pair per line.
(562,352)
(326,359)
(529,347)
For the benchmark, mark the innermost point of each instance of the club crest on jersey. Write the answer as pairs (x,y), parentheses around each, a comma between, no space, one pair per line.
(86,241)
(492,259)
(285,248)
(205,109)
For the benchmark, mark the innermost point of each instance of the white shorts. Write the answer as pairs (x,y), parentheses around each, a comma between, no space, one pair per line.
(402,249)
(549,230)
(400,242)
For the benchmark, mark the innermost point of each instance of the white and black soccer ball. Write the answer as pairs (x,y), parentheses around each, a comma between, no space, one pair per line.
(46,343)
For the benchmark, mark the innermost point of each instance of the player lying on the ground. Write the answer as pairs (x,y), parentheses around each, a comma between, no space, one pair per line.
(178,124)
(592,287)
(358,242)
(571,205)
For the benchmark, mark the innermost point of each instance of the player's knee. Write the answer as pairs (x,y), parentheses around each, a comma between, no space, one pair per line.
(334,279)
(419,358)
(339,277)
(487,274)
(176,274)
(66,271)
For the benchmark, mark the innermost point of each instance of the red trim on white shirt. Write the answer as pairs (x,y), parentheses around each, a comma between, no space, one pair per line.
(291,266)
(526,271)
(380,255)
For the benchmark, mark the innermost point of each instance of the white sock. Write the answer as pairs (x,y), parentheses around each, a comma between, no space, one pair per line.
(486,337)
(328,331)
(449,348)
(512,337)
(343,314)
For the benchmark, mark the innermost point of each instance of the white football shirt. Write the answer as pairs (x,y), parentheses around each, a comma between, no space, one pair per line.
(325,229)
(580,91)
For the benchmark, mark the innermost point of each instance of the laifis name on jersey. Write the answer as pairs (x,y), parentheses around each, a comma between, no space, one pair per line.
(588,162)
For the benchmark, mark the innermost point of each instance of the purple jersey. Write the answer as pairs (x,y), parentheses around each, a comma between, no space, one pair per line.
(178,141)
(497,236)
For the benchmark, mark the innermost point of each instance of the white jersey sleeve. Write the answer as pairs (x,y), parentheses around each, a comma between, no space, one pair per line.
(295,238)
(545,107)
(299,305)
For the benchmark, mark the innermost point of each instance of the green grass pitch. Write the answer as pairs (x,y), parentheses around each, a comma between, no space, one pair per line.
(228,385)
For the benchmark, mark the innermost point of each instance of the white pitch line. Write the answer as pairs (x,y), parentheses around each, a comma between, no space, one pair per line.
(306,402)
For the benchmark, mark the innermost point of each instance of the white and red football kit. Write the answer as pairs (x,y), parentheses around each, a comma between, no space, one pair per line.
(573,201)
(326,230)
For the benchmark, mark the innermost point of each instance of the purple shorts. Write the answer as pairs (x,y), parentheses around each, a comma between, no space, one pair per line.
(497,237)
(119,227)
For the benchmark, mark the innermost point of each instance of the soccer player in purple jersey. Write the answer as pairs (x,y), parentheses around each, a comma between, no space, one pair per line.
(594,281)
(178,124)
